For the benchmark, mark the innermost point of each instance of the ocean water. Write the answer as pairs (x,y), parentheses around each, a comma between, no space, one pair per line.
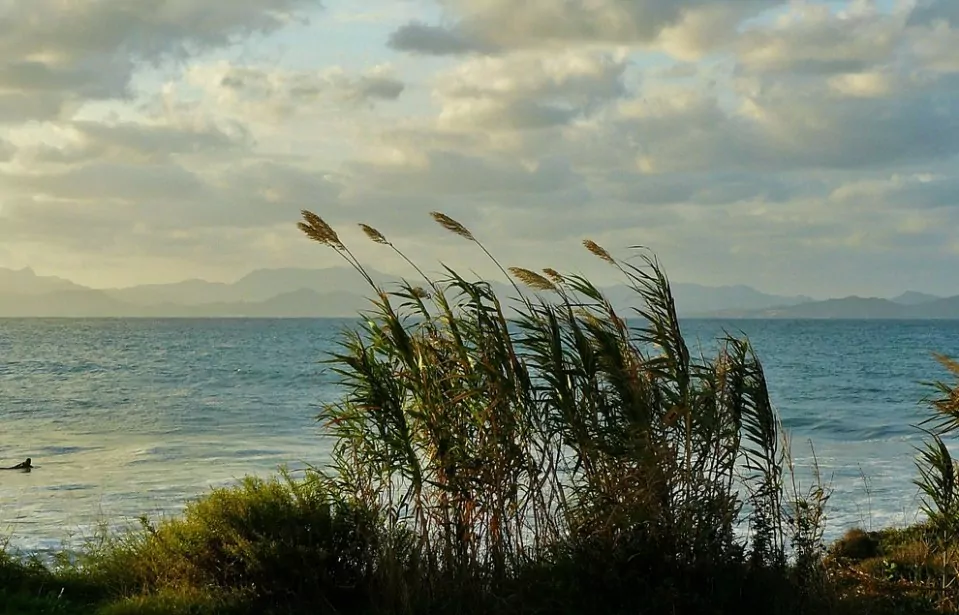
(135,417)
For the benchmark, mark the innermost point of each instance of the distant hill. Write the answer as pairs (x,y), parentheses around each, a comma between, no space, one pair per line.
(263,284)
(97,304)
(848,307)
(188,292)
(26,282)
(856,308)
(303,303)
(341,292)
(941,308)
(260,285)
(695,298)
(81,303)
(913,298)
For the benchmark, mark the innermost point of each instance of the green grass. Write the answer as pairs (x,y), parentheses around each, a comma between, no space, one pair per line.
(275,545)
(549,455)
(22,603)
(27,586)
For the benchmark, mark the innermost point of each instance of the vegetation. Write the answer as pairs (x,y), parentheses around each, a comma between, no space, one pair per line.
(550,457)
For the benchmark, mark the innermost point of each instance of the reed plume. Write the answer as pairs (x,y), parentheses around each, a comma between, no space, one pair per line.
(374,234)
(318,230)
(555,276)
(532,279)
(599,251)
(452,225)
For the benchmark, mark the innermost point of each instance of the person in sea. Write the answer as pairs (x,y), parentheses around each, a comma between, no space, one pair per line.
(25,465)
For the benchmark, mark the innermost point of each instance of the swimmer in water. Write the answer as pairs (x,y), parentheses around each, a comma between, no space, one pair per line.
(26,465)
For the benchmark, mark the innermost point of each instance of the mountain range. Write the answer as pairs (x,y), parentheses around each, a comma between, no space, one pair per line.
(858,308)
(340,292)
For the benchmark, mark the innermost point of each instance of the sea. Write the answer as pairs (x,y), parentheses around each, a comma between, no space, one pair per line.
(126,418)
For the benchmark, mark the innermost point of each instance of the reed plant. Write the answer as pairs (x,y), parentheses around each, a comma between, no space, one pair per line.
(495,436)
(914,569)
(937,468)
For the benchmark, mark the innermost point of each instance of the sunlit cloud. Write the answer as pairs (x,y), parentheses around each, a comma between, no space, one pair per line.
(746,141)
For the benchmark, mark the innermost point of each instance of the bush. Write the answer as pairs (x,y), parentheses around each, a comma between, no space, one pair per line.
(856,544)
(266,541)
(28,586)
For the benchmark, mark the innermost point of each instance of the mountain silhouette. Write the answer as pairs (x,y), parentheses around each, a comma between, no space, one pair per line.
(340,292)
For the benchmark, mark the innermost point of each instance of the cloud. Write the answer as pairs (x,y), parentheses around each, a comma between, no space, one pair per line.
(7,150)
(867,84)
(485,25)
(934,48)
(450,173)
(919,192)
(744,141)
(60,226)
(56,55)
(709,188)
(906,126)
(812,39)
(100,181)
(303,87)
(132,142)
(377,88)
(529,90)
(166,194)
(772,125)
(257,94)
(418,37)
(143,29)
(928,12)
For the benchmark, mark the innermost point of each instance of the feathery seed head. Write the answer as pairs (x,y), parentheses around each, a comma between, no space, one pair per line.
(532,279)
(554,275)
(452,225)
(317,235)
(599,251)
(374,234)
(318,230)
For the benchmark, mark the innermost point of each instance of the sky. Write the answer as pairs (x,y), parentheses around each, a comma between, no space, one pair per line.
(795,146)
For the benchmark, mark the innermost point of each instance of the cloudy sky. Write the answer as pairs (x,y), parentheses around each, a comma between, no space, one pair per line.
(797,146)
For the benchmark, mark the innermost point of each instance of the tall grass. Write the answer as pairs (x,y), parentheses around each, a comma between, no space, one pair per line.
(494,438)
(916,569)
(937,469)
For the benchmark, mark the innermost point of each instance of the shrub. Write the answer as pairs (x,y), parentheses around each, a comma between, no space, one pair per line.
(29,586)
(937,469)
(268,541)
(856,544)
